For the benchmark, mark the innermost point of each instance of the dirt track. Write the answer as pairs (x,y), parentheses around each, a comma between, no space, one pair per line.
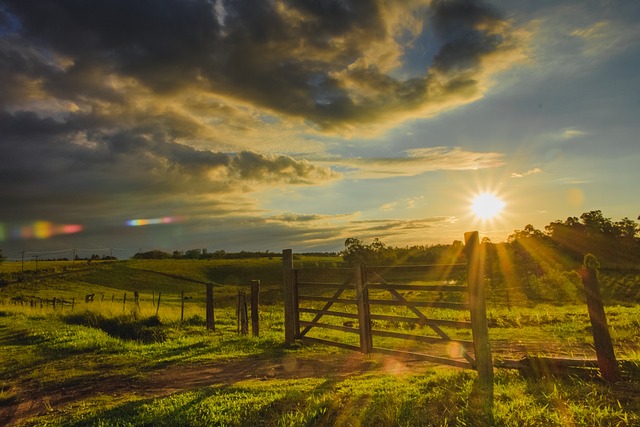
(32,402)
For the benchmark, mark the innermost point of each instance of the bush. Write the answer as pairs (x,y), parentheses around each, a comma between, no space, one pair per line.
(557,286)
(128,327)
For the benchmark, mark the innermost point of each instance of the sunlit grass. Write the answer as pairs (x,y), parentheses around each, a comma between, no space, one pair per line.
(50,350)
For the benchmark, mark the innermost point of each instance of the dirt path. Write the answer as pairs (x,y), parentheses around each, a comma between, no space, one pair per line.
(31,402)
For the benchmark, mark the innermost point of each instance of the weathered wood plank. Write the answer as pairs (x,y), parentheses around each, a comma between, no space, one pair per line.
(328,326)
(432,304)
(328,313)
(319,298)
(419,338)
(423,321)
(326,285)
(409,287)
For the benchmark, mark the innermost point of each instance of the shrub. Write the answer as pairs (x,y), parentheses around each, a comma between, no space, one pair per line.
(128,327)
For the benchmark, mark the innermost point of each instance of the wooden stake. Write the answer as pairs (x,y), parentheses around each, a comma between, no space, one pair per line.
(601,337)
(291,330)
(158,306)
(364,316)
(479,326)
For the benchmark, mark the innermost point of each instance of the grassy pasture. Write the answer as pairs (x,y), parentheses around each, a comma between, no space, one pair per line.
(102,364)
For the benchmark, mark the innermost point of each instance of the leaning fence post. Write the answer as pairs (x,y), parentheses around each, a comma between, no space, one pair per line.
(601,337)
(158,306)
(364,316)
(255,320)
(291,330)
(211,324)
(479,326)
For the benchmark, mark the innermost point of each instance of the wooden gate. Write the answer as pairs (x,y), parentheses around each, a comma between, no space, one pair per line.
(377,306)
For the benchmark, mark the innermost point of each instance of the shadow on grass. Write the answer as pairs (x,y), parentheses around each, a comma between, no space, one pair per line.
(481,404)
(128,327)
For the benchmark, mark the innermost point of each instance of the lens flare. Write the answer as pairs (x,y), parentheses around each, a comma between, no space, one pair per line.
(153,221)
(454,349)
(38,230)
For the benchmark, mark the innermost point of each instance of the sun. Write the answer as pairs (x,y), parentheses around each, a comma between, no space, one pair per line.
(487,206)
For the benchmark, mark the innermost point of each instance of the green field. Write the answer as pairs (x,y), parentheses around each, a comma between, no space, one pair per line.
(111,362)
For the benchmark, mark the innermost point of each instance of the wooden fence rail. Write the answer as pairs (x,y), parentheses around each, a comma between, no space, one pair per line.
(363,287)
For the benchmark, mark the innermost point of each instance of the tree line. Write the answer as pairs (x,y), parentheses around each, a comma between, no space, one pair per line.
(532,264)
(204,254)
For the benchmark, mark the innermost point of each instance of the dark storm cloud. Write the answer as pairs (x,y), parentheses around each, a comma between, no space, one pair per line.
(49,164)
(468,29)
(323,61)
(103,103)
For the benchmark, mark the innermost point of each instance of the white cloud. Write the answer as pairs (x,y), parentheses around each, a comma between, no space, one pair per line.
(571,133)
(418,161)
(527,173)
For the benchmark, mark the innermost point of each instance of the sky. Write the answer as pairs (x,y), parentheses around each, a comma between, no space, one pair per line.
(130,125)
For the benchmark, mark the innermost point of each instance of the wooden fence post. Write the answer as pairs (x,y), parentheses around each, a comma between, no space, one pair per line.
(124,301)
(241,312)
(364,316)
(158,306)
(479,326)
(211,324)
(601,337)
(291,330)
(255,320)
(136,300)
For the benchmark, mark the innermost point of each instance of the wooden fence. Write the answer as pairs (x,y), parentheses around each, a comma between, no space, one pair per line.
(371,297)
(246,313)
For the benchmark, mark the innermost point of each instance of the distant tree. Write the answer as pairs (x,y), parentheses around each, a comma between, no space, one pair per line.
(193,254)
(627,228)
(355,251)
(155,254)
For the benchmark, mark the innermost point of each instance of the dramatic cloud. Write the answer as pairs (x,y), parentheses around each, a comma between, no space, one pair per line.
(52,164)
(334,229)
(419,160)
(331,63)
(121,110)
